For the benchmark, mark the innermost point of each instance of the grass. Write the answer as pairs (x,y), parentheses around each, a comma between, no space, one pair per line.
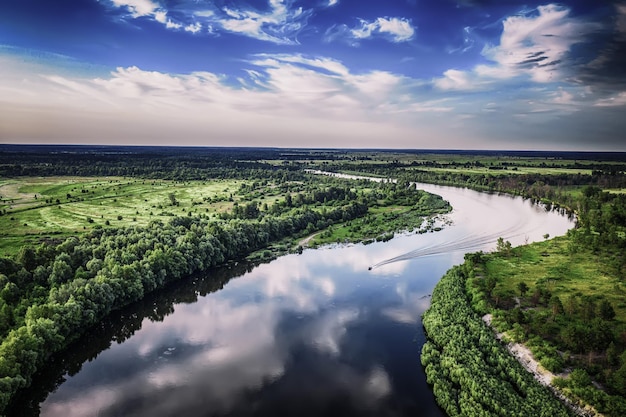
(39,208)
(551,264)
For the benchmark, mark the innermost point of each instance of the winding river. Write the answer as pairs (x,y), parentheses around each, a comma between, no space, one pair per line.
(334,331)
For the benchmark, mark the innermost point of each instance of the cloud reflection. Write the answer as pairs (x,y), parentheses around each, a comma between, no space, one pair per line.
(298,333)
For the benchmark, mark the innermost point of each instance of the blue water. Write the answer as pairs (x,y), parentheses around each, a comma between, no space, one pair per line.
(305,335)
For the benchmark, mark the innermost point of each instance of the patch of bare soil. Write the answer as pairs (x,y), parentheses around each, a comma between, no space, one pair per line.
(525,357)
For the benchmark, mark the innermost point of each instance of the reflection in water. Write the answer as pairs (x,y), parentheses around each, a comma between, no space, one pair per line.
(310,334)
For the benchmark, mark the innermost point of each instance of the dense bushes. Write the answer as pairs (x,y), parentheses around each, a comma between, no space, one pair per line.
(471,372)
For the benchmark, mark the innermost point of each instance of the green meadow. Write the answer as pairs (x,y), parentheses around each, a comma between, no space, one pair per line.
(554,266)
(39,209)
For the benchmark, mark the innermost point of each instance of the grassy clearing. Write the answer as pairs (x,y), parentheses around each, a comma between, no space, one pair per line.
(38,208)
(551,264)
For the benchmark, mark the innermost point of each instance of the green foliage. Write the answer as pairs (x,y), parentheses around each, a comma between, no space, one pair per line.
(471,373)
(571,313)
(579,378)
(62,290)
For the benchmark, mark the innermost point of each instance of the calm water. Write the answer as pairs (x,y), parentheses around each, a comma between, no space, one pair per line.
(311,334)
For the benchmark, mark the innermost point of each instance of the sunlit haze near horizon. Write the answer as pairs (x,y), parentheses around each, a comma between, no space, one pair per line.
(411,74)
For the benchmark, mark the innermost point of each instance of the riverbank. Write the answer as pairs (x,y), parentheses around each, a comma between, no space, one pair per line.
(470,371)
(526,358)
(52,293)
(563,302)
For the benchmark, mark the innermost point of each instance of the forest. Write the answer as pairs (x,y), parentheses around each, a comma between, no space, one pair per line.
(127,221)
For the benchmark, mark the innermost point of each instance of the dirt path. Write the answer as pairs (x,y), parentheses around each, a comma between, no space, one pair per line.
(305,242)
(545,377)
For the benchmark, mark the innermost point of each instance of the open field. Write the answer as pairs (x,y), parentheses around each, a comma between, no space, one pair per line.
(49,209)
(550,264)
(40,208)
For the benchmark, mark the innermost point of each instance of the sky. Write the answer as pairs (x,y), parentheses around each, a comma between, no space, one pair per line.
(411,74)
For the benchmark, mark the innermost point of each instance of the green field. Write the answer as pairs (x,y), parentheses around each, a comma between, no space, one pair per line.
(552,265)
(37,209)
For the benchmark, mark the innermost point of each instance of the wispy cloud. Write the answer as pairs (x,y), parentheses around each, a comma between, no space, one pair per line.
(612,101)
(138,8)
(534,44)
(468,42)
(280,22)
(316,99)
(281,96)
(537,43)
(393,29)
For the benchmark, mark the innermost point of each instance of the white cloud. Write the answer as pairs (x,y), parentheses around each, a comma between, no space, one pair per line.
(563,97)
(204,13)
(193,28)
(138,7)
(537,44)
(455,80)
(172,25)
(146,8)
(160,16)
(534,44)
(284,99)
(617,100)
(284,96)
(280,25)
(399,29)
(394,29)
(332,3)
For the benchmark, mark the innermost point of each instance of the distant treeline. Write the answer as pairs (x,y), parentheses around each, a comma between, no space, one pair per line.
(152,162)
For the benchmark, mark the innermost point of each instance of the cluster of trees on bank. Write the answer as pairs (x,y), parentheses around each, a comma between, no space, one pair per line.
(50,294)
(602,219)
(119,326)
(471,372)
(578,330)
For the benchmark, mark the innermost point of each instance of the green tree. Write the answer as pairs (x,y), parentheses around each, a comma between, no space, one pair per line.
(579,378)
(522,288)
(605,310)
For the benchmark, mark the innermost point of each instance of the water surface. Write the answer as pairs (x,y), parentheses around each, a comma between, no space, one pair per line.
(311,334)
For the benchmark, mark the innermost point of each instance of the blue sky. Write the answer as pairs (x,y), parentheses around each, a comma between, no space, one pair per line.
(446,74)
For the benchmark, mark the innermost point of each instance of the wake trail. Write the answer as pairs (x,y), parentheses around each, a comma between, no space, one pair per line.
(467,243)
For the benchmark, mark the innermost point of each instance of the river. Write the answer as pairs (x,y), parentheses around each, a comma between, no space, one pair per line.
(333,331)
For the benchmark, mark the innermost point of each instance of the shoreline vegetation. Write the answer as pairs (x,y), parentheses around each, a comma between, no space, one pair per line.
(557,306)
(162,214)
(52,293)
